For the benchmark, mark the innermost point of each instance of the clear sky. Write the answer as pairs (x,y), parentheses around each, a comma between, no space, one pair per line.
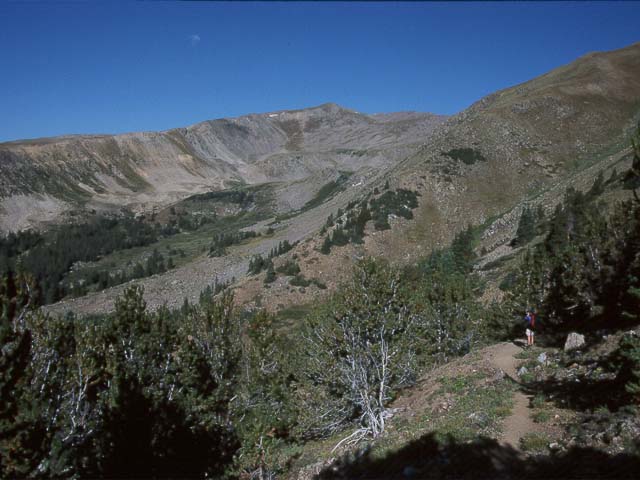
(110,67)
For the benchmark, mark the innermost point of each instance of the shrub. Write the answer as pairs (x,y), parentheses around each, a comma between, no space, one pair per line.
(542,416)
(289,268)
(534,442)
(299,281)
(468,156)
(629,373)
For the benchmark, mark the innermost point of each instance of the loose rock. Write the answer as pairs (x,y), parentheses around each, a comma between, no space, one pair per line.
(574,340)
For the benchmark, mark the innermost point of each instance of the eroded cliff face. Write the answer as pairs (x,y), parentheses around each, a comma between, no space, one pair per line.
(43,178)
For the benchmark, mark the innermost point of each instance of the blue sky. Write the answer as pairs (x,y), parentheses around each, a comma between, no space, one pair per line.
(110,67)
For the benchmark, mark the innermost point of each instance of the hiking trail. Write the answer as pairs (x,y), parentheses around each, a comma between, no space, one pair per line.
(519,422)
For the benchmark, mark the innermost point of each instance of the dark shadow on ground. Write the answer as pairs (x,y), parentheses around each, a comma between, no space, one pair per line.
(485,458)
(587,384)
(579,393)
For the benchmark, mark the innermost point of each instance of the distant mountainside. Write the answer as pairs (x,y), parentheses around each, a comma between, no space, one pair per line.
(43,178)
(520,146)
(516,143)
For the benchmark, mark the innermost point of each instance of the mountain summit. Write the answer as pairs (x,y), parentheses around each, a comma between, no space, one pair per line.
(43,178)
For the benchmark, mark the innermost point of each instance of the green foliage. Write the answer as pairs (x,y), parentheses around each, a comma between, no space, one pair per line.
(259,263)
(542,416)
(586,273)
(270,276)
(526,228)
(299,281)
(462,249)
(339,238)
(598,187)
(478,408)
(242,198)
(48,257)
(631,178)
(129,394)
(325,249)
(629,373)
(264,411)
(256,264)
(399,202)
(155,263)
(327,191)
(289,268)
(534,442)
(373,336)
(19,432)
(221,241)
(355,354)
(466,155)
(351,228)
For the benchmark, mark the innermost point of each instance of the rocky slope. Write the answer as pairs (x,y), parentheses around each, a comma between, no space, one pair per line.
(524,144)
(41,179)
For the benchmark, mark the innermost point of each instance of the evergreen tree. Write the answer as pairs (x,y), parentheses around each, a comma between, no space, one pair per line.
(265,411)
(325,249)
(629,374)
(330,221)
(463,251)
(20,432)
(339,238)
(270,276)
(632,176)
(526,227)
(598,186)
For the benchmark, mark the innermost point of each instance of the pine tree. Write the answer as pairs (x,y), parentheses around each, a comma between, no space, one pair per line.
(463,251)
(629,373)
(325,249)
(270,276)
(18,419)
(632,176)
(526,227)
(330,221)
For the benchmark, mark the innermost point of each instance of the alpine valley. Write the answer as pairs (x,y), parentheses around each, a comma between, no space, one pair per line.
(322,293)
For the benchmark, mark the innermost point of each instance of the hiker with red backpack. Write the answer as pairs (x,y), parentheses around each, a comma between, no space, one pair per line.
(530,320)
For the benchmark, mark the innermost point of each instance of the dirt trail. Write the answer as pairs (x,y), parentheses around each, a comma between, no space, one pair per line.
(519,422)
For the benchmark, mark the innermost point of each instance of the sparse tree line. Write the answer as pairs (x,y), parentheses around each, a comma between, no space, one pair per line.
(183,220)
(221,241)
(258,263)
(290,268)
(349,226)
(50,256)
(99,279)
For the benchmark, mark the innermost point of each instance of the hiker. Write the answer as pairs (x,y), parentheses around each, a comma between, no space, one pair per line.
(530,320)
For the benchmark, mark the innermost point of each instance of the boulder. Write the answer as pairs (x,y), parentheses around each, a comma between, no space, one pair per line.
(574,341)
(542,358)
(522,371)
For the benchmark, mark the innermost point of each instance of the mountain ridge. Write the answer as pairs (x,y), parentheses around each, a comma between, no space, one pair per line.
(145,169)
(479,167)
